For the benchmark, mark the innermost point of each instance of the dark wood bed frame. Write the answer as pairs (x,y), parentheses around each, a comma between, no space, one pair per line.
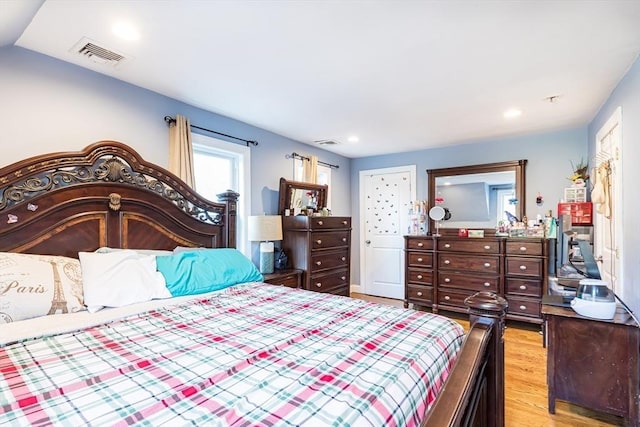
(107,195)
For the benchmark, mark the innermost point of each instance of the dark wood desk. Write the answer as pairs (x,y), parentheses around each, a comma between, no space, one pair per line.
(593,363)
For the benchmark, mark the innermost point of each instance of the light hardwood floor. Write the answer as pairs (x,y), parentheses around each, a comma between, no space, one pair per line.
(526,380)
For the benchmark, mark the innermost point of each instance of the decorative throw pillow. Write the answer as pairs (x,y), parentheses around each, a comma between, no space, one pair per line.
(38,285)
(120,278)
(196,272)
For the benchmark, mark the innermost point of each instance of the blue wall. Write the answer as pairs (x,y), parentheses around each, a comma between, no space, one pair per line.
(49,105)
(549,157)
(627,96)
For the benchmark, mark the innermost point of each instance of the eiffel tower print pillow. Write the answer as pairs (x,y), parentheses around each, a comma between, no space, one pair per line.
(38,285)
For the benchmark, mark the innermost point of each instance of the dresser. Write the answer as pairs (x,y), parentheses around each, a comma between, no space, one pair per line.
(419,277)
(525,277)
(442,271)
(320,246)
(465,266)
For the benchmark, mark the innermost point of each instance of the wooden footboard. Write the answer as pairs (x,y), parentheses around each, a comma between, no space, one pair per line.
(474,392)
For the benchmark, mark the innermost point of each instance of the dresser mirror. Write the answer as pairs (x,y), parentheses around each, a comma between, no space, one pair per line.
(297,196)
(477,196)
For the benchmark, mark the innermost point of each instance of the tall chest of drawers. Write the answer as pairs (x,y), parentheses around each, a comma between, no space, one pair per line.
(464,267)
(321,247)
(445,270)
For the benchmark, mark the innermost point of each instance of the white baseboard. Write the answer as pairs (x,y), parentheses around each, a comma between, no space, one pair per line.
(355,288)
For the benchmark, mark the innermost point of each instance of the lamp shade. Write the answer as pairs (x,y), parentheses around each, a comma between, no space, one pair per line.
(265,227)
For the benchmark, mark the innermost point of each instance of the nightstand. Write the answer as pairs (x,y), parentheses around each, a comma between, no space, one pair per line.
(593,363)
(291,278)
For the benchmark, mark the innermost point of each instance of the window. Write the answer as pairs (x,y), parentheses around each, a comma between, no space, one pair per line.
(220,166)
(505,204)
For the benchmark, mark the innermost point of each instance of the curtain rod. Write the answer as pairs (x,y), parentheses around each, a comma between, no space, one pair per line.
(169,120)
(295,155)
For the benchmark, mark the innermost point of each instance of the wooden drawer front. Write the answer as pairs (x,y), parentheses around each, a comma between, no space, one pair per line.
(473,283)
(451,297)
(290,280)
(422,277)
(420,294)
(523,306)
(482,264)
(329,282)
(470,245)
(329,239)
(325,260)
(326,222)
(529,267)
(524,287)
(420,243)
(524,248)
(421,259)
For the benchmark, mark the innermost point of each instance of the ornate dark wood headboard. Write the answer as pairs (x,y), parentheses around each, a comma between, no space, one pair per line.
(106,195)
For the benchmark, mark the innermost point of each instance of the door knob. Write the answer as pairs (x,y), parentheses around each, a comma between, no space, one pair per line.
(368,242)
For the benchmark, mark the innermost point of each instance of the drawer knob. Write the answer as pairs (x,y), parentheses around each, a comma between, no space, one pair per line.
(318,262)
(319,284)
(487,247)
(486,264)
(523,267)
(343,278)
(447,280)
(419,259)
(523,287)
(344,239)
(419,276)
(487,284)
(446,261)
(523,307)
(420,244)
(447,297)
(523,248)
(343,258)
(344,222)
(320,222)
(319,241)
(446,245)
(419,294)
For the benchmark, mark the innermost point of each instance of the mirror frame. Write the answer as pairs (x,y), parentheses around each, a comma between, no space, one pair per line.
(517,166)
(286,187)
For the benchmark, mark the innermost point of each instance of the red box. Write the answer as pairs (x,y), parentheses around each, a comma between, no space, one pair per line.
(581,213)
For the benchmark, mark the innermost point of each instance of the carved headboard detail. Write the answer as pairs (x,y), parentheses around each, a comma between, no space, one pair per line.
(106,195)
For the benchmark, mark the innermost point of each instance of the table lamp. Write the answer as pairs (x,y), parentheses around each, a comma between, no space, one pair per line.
(264,228)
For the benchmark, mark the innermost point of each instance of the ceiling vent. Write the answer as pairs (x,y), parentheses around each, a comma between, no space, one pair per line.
(327,142)
(98,54)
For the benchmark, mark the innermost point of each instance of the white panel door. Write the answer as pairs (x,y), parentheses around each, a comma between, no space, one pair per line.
(385,195)
(607,168)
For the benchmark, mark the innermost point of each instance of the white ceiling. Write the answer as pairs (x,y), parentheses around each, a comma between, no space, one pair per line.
(401,75)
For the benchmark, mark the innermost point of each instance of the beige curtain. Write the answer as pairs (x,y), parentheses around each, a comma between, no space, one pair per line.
(181,150)
(310,169)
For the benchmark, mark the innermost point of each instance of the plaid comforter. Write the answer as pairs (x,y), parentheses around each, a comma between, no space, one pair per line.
(251,355)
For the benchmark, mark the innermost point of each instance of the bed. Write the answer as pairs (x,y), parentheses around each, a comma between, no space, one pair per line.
(246,354)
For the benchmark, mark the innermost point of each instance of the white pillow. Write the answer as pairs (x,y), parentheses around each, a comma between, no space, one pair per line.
(38,285)
(115,279)
(156,252)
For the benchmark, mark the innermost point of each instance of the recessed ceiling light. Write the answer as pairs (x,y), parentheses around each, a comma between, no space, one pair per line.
(353,138)
(126,31)
(512,113)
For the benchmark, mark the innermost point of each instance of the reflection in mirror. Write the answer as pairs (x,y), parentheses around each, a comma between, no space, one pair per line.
(477,200)
(298,195)
(304,199)
(479,196)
